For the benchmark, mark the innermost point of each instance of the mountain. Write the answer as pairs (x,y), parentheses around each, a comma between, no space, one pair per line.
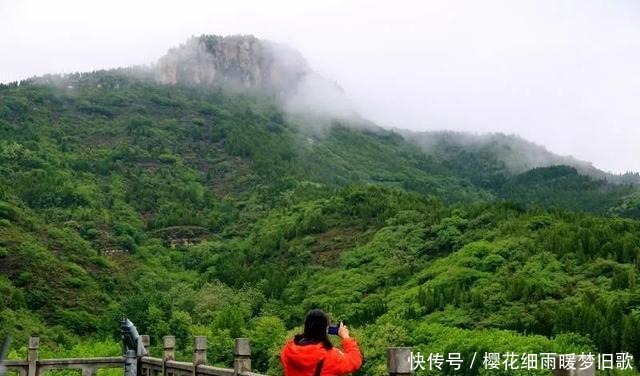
(202,208)
(509,153)
(243,61)
(514,169)
(248,63)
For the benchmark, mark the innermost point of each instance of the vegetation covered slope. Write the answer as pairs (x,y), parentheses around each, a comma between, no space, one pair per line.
(198,210)
(509,153)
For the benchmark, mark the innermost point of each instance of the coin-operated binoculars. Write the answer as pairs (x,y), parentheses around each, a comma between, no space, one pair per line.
(132,347)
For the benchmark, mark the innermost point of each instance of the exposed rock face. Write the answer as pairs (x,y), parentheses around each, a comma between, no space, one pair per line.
(247,62)
(243,61)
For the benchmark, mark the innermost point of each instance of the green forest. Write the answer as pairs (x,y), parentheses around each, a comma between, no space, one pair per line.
(199,210)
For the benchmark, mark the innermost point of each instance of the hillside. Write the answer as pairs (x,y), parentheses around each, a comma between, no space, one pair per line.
(204,209)
(511,154)
(517,170)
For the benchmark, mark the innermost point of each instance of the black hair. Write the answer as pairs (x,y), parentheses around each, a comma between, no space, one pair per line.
(315,329)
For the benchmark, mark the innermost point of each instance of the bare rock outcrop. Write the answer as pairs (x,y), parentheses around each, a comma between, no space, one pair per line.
(246,62)
(242,61)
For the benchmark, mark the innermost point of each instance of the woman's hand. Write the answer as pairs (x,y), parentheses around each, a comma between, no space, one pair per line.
(343,331)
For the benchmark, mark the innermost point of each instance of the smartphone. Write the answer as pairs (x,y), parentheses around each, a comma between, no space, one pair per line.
(333,329)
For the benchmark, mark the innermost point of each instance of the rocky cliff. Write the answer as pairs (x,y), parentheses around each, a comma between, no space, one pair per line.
(244,61)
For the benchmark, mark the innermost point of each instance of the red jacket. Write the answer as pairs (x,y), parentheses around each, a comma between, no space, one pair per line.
(302,360)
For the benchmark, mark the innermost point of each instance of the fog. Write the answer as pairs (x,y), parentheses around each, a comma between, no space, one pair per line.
(563,74)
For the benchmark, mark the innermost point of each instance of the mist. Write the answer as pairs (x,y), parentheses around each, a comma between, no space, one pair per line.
(565,75)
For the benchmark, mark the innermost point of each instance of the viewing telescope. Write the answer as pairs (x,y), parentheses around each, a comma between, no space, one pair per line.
(132,347)
(131,338)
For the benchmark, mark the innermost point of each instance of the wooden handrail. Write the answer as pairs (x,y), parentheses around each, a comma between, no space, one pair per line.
(167,365)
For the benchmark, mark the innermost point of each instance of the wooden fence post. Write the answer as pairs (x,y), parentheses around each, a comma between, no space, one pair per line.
(399,361)
(169,346)
(580,368)
(200,350)
(199,353)
(241,356)
(32,356)
(146,341)
(168,353)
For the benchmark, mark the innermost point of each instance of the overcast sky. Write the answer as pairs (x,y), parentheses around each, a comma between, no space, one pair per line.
(563,74)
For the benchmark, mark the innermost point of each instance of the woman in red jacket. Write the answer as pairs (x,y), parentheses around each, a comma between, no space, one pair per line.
(312,354)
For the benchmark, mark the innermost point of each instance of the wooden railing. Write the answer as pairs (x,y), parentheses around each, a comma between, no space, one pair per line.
(397,361)
(34,367)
